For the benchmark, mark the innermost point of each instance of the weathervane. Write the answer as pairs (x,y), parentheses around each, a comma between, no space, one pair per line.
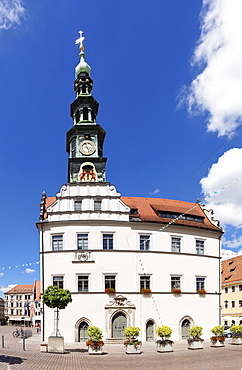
(80,41)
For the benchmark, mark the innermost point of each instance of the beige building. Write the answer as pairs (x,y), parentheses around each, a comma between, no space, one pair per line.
(232,291)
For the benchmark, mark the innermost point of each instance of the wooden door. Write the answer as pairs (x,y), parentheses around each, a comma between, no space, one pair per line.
(119,323)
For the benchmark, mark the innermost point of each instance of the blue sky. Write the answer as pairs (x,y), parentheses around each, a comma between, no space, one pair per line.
(168,77)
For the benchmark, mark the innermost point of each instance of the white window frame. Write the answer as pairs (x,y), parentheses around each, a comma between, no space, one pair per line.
(150,240)
(200,240)
(205,281)
(176,237)
(51,241)
(79,200)
(110,274)
(88,240)
(108,233)
(57,275)
(89,282)
(176,276)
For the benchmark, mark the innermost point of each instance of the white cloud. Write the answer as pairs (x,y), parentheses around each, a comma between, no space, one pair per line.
(156,191)
(233,243)
(1,274)
(28,271)
(226,254)
(225,177)
(11,12)
(5,289)
(217,90)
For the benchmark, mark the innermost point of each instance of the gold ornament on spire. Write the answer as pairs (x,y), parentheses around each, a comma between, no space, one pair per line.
(80,41)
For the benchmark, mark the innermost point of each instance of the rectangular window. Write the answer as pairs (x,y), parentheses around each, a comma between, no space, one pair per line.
(200,283)
(240,287)
(200,246)
(82,241)
(233,304)
(225,304)
(176,245)
(226,289)
(240,303)
(83,283)
(144,282)
(57,242)
(58,281)
(97,205)
(110,281)
(144,242)
(107,241)
(175,282)
(233,288)
(78,205)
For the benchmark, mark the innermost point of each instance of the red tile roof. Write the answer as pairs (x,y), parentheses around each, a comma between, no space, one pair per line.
(149,208)
(20,289)
(231,270)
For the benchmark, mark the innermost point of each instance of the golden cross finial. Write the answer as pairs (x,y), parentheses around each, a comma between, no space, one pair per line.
(80,41)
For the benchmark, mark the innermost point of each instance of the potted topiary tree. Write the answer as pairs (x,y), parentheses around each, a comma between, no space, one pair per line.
(218,339)
(164,344)
(94,342)
(57,298)
(237,334)
(195,341)
(132,344)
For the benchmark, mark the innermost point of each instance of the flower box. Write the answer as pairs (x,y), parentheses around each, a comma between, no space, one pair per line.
(196,344)
(176,291)
(95,350)
(110,290)
(201,291)
(216,343)
(236,341)
(145,291)
(131,349)
(164,346)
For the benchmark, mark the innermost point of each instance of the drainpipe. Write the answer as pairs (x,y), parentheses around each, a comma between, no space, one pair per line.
(42,279)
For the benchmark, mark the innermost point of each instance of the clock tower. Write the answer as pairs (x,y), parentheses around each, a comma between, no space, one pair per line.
(84,141)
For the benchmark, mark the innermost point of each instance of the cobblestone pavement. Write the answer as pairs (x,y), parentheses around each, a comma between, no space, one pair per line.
(12,356)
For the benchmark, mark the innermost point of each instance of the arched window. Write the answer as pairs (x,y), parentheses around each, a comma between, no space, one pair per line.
(77,116)
(85,114)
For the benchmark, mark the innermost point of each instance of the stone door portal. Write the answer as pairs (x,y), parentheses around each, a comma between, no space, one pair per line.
(185,326)
(150,331)
(119,323)
(83,328)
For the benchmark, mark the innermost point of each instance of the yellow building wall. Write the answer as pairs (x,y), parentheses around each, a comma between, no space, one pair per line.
(232,315)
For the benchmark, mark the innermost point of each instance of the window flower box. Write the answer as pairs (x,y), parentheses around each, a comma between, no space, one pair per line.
(176,291)
(201,291)
(110,290)
(145,291)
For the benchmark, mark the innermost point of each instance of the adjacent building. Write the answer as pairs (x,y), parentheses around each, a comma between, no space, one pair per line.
(2,315)
(107,249)
(23,305)
(232,291)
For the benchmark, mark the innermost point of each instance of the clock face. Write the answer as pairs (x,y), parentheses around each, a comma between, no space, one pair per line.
(87,147)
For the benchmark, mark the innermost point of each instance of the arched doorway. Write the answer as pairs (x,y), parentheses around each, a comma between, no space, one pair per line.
(82,332)
(185,326)
(119,323)
(149,331)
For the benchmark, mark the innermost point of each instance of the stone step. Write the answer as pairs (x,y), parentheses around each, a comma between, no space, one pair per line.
(114,341)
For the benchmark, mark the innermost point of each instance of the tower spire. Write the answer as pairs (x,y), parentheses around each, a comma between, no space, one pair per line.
(85,139)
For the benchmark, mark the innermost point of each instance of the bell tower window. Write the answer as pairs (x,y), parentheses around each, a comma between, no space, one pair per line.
(73,148)
(85,114)
(77,116)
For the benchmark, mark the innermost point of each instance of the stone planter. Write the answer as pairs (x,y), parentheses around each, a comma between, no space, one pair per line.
(95,350)
(195,345)
(132,349)
(56,344)
(216,343)
(236,341)
(166,347)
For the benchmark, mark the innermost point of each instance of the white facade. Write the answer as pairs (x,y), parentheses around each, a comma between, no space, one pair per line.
(73,214)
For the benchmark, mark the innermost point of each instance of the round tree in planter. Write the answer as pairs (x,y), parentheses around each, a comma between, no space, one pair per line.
(195,341)
(57,298)
(132,344)
(94,342)
(164,344)
(218,338)
(237,334)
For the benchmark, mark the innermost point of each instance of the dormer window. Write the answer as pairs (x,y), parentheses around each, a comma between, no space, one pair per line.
(133,211)
(180,216)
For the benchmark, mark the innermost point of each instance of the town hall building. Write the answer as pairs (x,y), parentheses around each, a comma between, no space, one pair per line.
(127,261)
